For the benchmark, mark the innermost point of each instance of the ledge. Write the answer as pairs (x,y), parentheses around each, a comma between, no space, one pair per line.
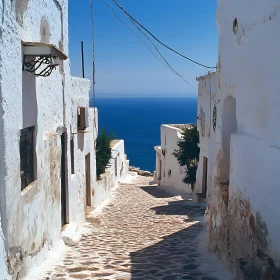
(31,187)
(113,143)
(84,130)
(224,184)
(81,131)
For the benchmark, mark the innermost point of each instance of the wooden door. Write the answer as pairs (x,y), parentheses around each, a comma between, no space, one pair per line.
(88,176)
(204,179)
(63,173)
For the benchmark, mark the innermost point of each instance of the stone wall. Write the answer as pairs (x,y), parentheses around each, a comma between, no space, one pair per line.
(3,256)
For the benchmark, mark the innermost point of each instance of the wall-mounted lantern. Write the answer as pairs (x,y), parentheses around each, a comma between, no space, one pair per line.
(40,58)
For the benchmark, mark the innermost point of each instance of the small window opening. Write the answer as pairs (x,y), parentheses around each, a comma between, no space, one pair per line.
(83,118)
(72,156)
(27,156)
(235,26)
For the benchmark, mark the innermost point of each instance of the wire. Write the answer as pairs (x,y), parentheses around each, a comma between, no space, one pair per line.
(108,6)
(189,78)
(169,66)
(93,57)
(118,4)
(166,62)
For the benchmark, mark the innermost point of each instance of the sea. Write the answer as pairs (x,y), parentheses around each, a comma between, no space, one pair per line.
(137,121)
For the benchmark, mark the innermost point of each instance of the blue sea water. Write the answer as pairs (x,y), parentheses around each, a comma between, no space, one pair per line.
(138,120)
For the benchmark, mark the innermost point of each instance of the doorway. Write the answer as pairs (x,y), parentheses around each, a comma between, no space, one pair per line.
(64,190)
(88,186)
(204,178)
(160,167)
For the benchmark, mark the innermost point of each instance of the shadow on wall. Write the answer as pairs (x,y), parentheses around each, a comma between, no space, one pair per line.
(229,126)
(81,142)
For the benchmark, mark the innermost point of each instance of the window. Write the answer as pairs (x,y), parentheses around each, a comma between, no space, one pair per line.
(27,155)
(82,118)
(72,156)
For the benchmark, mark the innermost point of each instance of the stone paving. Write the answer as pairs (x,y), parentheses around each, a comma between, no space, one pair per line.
(144,233)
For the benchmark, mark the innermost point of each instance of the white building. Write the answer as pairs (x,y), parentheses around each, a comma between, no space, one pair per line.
(115,173)
(240,135)
(168,171)
(47,135)
(207,103)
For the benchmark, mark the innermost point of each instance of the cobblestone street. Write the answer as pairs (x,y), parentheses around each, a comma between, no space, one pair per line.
(143,233)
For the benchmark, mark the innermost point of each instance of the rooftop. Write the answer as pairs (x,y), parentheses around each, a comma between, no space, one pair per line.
(37,48)
(181,126)
(114,142)
(205,76)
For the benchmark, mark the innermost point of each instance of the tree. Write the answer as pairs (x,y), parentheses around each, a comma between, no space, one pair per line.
(103,152)
(188,153)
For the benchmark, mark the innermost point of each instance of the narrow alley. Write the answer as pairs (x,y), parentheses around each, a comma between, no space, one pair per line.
(143,233)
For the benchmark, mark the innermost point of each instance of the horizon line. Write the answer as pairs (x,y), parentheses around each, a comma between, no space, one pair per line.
(142,96)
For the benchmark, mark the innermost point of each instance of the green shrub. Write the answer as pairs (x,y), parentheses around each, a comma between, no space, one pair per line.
(188,153)
(103,152)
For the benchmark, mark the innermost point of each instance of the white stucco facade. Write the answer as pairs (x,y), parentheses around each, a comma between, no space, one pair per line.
(32,218)
(115,173)
(208,98)
(83,147)
(168,171)
(244,159)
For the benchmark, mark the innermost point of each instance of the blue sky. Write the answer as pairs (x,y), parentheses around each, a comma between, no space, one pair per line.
(124,66)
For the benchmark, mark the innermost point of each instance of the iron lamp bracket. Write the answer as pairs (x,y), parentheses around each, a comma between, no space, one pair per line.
(41,66)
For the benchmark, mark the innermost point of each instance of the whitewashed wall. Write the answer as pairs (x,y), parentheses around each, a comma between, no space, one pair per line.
(108,181)
(83,145)
(242,219)
(157,172)
(3,253)
(118,154)
(31,219)
(208,97)
(28,221)
(170,136)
